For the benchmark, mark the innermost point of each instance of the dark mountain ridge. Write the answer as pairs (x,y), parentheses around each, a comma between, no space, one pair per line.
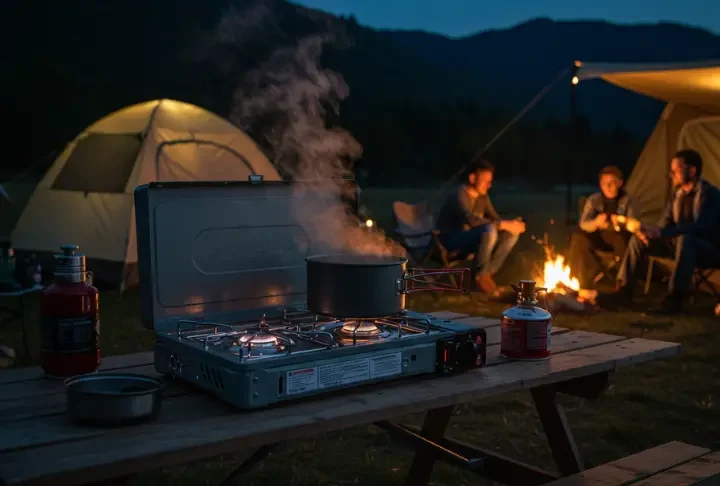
(76,63)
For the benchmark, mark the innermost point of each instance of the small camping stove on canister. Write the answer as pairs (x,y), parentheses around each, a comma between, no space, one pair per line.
(525,328)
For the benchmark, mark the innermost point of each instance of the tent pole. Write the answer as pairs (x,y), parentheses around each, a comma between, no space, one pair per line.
(572,155)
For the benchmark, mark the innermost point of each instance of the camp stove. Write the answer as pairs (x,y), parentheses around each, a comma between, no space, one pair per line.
(222,282)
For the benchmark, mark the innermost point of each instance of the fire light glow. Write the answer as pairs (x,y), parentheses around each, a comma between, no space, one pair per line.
(369,223)
(556,273)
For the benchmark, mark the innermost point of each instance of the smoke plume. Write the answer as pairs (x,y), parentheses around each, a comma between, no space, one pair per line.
(287,99)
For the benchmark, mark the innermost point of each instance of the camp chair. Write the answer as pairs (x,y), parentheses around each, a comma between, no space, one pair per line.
(609,262)
(701,276)
(414,230)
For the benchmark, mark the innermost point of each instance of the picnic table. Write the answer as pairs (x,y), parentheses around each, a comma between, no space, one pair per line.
(39,446)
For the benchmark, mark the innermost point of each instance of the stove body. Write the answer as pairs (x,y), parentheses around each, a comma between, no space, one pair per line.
(222,272)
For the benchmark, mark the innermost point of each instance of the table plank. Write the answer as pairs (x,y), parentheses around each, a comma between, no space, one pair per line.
(686,474)
(108,363)
(123,451)
(635,467)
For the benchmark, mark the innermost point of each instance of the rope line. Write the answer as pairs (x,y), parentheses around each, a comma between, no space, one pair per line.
(541,94)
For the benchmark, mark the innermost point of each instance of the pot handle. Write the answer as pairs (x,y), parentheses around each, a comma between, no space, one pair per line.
(413,276)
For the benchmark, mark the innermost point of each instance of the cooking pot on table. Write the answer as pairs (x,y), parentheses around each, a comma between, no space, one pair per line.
(369,286)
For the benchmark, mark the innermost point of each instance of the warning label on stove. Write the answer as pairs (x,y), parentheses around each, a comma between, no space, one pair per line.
(302,381)
(386,365)
(344,373)
(348,372)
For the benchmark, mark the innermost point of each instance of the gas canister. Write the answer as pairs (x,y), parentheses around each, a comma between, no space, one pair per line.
(525,329)
(69,318)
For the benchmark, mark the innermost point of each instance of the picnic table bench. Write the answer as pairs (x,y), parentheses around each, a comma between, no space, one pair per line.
(39,446)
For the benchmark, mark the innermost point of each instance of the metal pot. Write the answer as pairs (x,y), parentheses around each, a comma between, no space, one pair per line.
(368,286)
(113,398)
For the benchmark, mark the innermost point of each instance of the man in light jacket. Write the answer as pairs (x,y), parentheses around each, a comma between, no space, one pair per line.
(598,228)
(688,230)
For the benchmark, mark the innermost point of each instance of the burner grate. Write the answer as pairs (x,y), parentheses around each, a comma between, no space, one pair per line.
(296,331)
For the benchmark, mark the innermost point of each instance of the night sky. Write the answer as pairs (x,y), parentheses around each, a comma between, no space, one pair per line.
(462,17)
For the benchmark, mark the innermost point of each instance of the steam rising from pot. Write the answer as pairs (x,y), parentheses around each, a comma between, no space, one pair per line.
(287,98)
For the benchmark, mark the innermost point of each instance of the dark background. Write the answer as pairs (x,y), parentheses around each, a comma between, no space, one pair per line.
(420,104)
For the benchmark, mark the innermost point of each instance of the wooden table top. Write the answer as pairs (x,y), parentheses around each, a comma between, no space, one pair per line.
(38,444)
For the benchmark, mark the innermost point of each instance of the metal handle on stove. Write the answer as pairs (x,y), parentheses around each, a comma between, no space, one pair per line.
(412,276)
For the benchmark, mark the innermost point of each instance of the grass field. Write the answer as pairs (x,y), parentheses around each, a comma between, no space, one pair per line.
(648,404)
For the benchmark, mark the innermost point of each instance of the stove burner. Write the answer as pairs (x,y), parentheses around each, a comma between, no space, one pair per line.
(260,343)
(260,340)
(362,330)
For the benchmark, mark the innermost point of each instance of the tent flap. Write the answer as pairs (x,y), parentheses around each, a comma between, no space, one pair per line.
(696,83)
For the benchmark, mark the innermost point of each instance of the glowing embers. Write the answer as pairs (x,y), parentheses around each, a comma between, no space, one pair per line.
(363,331)
(260,343)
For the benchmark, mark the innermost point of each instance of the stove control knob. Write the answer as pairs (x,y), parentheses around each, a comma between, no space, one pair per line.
(466,354)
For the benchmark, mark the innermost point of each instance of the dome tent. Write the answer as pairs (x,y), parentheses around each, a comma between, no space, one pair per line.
(691,119)
(86,196)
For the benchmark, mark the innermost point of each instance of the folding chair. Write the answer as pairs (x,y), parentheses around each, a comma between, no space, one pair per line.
(414,230)
(609,262)
(701,276)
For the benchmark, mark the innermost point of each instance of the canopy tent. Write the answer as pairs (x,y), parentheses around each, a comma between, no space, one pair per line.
(86,197)
(691,119)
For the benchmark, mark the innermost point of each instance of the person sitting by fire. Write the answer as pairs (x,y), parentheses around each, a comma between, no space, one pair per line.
(468,223)
(688,230)
(600,227)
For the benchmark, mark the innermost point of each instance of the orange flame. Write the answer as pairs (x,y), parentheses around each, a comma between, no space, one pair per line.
(556,272)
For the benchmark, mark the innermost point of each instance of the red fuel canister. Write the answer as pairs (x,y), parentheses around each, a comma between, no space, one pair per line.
(69,318)
(525,329)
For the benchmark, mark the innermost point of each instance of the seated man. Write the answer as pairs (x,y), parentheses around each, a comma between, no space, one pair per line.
(598,228)
(688,229)
(469,223)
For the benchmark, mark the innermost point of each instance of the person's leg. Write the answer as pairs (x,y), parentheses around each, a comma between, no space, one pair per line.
(463,242)
(475,240)
(581,255)
(505,242)
(481,240)
(633,257)
(487,238)
(616,241)
(690,253)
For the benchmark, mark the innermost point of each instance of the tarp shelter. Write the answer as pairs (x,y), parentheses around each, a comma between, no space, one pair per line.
(86,197)
(691,119)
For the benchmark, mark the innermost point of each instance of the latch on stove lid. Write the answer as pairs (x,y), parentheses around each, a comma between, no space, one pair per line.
(255,178)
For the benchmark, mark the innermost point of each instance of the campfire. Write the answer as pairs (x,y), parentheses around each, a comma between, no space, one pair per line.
(556,276)
(563,289)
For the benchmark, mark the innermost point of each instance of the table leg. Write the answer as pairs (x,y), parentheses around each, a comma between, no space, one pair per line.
(436,421)
(560,438)
(256,457)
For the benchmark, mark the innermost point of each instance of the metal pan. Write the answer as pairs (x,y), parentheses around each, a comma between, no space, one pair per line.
(113,398)
(368,286)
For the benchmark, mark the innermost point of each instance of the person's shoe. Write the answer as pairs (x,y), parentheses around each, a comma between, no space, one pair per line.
(673,303)
(485,283)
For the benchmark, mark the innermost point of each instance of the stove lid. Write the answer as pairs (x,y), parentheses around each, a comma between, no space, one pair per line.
(219,250)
